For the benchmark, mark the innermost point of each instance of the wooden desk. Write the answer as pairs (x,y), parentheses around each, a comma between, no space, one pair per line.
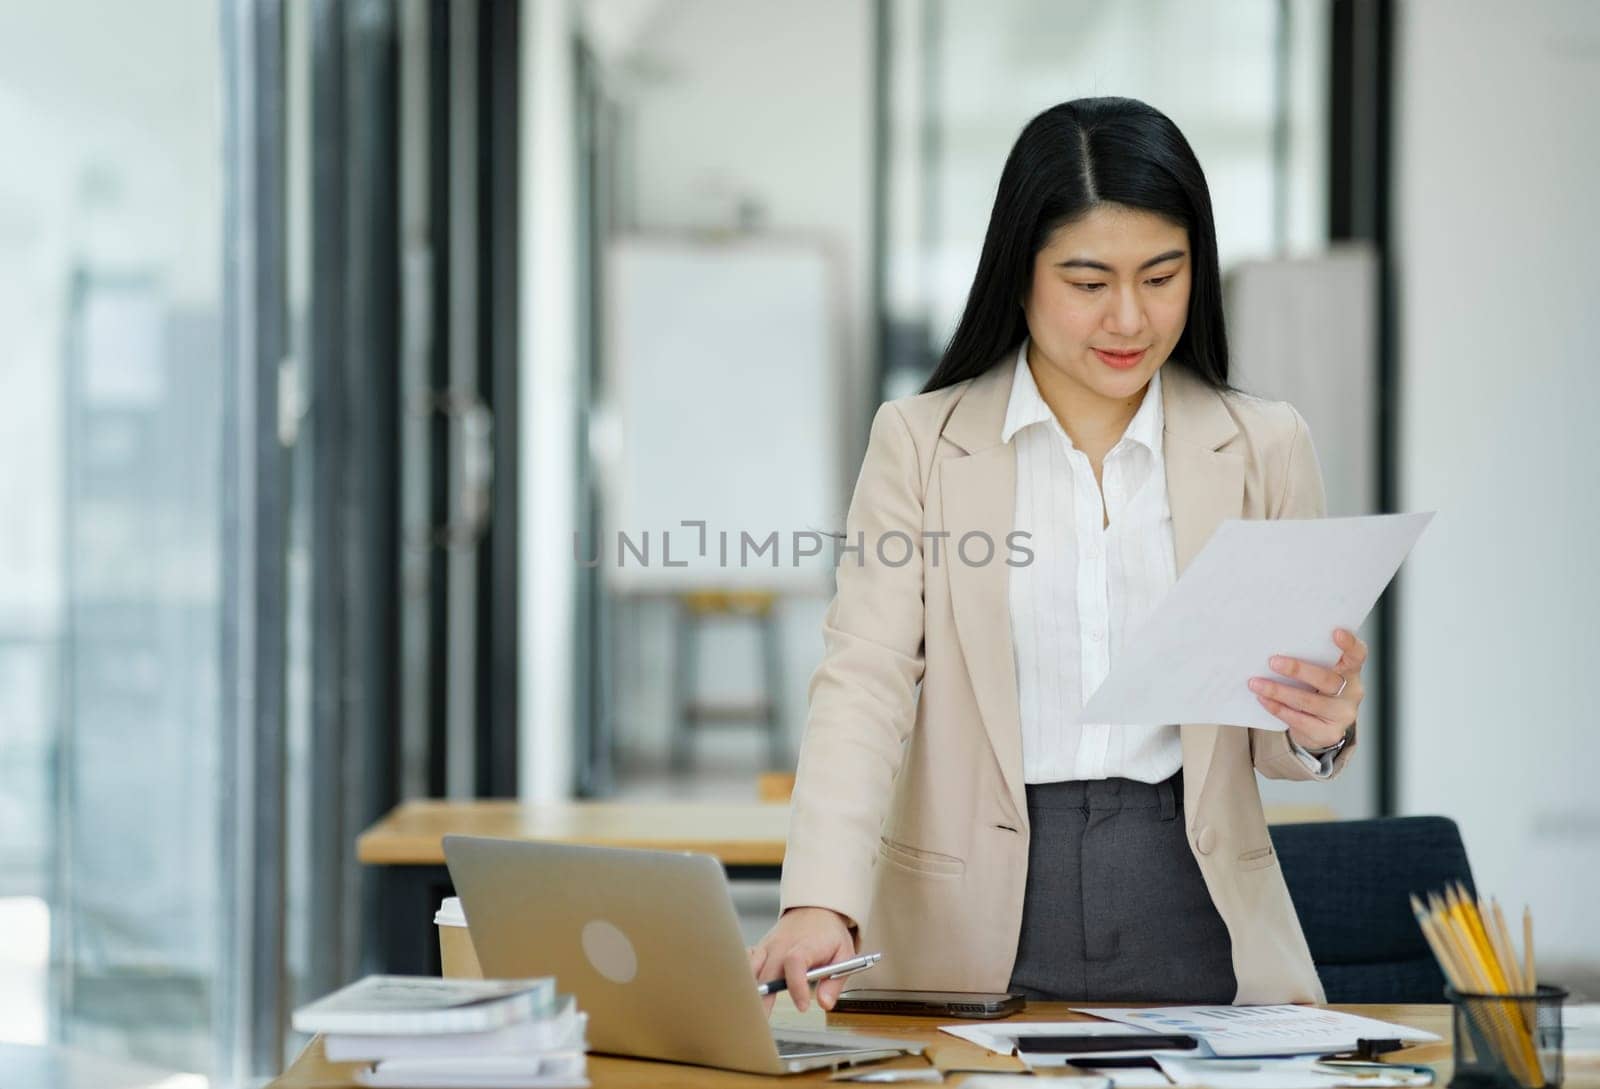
(407,845)
(312,1070)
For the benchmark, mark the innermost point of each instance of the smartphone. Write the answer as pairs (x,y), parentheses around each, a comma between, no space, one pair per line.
(1087,1045)
(974,1004)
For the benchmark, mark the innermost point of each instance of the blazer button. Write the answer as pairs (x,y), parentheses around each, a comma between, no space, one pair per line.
(1206,840)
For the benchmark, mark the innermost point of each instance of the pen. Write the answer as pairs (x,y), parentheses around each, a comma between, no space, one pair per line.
(827,971)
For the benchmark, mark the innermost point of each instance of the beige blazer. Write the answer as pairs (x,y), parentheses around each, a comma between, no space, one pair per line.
(909,815)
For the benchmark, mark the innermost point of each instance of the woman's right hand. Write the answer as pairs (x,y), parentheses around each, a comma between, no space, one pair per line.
(804,938)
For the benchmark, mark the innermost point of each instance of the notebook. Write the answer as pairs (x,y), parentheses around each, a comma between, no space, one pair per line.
(421,1005)
(564,1029)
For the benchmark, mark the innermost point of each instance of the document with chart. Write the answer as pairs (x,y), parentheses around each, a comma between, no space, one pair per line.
(1263,1030)
(1257,588)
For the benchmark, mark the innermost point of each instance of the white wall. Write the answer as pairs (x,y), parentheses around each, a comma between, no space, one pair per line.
(1497,230)
(548,407)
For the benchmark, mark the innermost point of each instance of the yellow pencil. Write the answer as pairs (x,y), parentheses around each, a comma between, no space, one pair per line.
(1480,940)
(1441,950)
(1449,924)
(1527,951)
(1507,951)
(1503,946)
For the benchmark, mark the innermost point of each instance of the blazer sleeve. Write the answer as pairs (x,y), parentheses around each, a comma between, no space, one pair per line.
(1300,495)
(862,696)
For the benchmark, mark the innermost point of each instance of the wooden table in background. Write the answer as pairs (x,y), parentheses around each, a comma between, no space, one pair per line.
(313,1071)
(747,837)
(407,844)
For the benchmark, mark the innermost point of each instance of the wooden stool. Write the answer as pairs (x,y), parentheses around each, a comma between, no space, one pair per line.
(775,786)
(695,610)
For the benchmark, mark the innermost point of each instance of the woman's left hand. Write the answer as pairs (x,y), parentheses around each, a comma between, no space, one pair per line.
(1317,719)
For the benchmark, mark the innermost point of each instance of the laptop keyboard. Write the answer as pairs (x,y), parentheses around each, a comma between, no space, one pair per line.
(801,1049)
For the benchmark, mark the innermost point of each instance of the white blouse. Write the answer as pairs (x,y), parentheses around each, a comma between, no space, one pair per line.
(1088,586)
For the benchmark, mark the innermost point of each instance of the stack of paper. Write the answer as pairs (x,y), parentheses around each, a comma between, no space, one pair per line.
(416,1032)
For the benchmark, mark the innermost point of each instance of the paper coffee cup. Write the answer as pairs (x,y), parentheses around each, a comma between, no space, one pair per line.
(456,954)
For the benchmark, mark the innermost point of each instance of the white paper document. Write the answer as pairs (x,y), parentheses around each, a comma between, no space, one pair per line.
(556,1070)
(1231,1031)
(1257,588)
(1292,1073)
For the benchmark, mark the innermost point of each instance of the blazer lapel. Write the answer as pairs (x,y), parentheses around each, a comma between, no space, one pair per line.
(1205,485)
(979,495)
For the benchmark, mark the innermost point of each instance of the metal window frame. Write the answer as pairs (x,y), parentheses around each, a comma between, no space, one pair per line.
(330,890)
(251,964)
(371,355)
(463,341)
(500,325)
(1361,104)
(595,623)
(355,418)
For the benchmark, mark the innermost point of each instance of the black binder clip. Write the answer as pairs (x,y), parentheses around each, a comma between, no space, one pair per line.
(1367,1050)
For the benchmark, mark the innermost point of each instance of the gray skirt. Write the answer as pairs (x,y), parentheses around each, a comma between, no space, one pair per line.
(1116,909)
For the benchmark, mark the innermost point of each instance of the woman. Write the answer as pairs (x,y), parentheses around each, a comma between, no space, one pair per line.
(978,832)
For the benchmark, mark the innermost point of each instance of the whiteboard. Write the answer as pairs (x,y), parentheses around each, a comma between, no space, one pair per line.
(721,395)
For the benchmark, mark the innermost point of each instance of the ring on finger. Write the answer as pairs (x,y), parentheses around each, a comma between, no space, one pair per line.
(1342,682)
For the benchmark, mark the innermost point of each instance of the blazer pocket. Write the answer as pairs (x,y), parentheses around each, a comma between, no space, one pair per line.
(917,860)
(1258,859)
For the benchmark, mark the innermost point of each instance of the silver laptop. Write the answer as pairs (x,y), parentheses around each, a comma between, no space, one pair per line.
(648,942)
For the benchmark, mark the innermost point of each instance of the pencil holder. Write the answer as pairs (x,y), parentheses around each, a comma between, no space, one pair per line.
(1507,1041)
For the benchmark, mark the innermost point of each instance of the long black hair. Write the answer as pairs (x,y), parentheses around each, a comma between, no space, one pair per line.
(1068,159)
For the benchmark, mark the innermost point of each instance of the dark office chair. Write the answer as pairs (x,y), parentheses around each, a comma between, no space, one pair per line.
(1351,882)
